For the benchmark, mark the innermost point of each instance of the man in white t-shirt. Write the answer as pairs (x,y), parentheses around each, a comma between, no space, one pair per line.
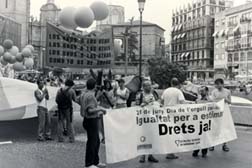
(171,97)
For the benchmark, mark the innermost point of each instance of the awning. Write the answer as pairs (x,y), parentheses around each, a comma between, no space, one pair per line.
(179,27)
(175,37)
(173,28)
(187,54)
(236,28)
(182,55)
(176,28)
(221,33)
(215,34)
(226,31)
(183,35)
(179,36)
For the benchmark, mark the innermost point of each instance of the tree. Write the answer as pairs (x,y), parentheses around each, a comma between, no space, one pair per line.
(162,72)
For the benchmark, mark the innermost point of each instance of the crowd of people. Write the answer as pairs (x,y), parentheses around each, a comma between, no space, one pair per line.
(95,101)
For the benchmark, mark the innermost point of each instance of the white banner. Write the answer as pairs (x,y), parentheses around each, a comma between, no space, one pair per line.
(131,132)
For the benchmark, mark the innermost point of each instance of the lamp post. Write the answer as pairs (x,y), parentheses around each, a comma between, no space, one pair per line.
(141,4)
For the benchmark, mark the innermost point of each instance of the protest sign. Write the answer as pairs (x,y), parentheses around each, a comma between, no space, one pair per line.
(135,131)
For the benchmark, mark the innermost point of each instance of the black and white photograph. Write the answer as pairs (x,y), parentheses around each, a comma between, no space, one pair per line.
(125,83)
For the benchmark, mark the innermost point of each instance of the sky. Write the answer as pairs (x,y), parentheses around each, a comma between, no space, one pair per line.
(156,11)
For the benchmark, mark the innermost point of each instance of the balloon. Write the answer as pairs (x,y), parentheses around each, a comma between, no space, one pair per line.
(14,50)
(1,50)
(84,17)
(8,44)
(30,47)
(12,59)
(18,66)
(29,63)
(7,57)
(19,57)
(3,62)
(26,52)
(100,9)
(66,18)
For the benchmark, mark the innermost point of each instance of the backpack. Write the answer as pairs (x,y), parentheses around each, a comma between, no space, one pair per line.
(63,99)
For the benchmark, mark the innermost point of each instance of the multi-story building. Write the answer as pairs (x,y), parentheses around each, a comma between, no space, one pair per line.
(19,10)
(233,42)
(191,37)
(116,16)
(10,29)
(37,30)
(153,43)
(73,50)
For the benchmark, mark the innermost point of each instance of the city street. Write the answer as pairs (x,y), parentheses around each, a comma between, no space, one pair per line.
(26,152)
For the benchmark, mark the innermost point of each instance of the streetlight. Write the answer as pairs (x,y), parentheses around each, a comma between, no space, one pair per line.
(141,4)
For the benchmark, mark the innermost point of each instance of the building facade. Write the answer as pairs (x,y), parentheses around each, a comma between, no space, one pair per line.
(191,37)
(68,49)
(10,29)
(19,10)
(233,42)
(116,16)
(49,12)
(153,43)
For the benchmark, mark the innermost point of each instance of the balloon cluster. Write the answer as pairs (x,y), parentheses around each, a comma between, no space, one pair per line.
(10,54)
(83,17)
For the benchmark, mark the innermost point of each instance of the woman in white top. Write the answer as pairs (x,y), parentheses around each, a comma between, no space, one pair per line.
(122,94)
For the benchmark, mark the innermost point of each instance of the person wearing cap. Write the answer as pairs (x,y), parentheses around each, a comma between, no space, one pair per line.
(173,96)
(64,99)
(220,93)
(121,94)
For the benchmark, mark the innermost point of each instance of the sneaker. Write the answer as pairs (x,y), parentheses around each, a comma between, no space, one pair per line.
(101,165)
(48,139)
(93,166)
(195,154)
(225,148)
(142,159)
(65,132)
(211,149)
(171,156)
(152,159)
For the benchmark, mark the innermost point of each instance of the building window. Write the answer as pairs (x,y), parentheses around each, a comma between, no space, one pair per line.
(6,3)
(236,57)
(242,57)
(249,56)
(216,57)
(230,58)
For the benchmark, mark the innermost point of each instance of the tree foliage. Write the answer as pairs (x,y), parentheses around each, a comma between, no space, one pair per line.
(162,72)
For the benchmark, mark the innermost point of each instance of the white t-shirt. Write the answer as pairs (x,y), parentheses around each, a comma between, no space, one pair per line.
(121,93)
(172,96)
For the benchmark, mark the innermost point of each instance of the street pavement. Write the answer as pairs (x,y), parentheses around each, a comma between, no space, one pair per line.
(26,152)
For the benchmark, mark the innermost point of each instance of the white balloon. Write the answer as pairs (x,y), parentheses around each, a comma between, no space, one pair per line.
(30,47)
(3,62)
(66,18)
(8,44)
(84,17)
(1,50)
(7,57)
(14,50)
(19,57)
(29,63)
(18,66)
(26,52)
(100,9)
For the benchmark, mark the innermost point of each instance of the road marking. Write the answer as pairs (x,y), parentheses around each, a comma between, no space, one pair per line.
(5,142)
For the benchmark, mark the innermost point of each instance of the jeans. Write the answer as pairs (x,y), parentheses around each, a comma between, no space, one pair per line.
(65,115)
(44,123)
(93,141)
